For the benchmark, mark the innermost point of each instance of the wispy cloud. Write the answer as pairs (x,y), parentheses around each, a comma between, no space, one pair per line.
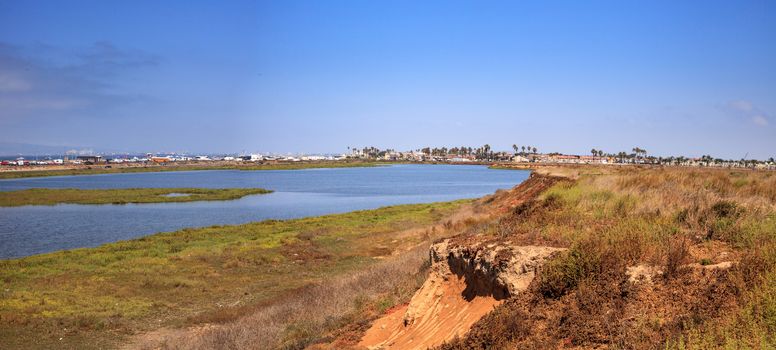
(12,82)
(760,120)
(746,110)
(741,105)
(45,79)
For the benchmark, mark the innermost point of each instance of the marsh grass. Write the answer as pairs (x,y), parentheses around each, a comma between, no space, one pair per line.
(96,297)
(48,196)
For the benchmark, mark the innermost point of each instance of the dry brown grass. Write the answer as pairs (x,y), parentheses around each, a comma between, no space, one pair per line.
(673,219)
(333,313)
(313,313)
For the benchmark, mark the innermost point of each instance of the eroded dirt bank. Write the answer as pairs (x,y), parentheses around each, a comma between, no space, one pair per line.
(469,277)
(654,258)
(466,282)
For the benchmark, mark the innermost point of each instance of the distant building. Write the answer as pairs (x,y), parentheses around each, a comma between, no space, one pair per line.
(520,159)
(89,159)
(161,159)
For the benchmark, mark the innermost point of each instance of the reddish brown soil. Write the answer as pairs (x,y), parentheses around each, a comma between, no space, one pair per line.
(611,312)
(443,314)
(458,293)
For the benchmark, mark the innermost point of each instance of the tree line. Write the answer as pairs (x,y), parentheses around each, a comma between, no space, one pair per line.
(486,152)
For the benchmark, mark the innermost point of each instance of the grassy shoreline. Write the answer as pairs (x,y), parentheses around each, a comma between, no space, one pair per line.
(94,170)
(49,196)
(96,297)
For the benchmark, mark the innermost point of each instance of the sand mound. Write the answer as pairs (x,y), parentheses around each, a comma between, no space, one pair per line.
(465,283)
(440,312)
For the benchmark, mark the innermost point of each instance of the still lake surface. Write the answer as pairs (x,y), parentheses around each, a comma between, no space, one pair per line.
(32,230)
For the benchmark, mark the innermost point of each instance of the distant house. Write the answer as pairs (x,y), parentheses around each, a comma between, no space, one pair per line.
(391,156)
(563,158)
(520,159)
(161,159)
(594,160)
(89,159)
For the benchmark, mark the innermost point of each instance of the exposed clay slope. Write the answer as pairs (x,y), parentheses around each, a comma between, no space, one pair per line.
(465,283)
(470,275)
(440,312)
(657,259)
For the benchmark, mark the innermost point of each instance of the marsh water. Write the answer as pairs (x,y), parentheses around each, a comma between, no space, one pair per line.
(31,230)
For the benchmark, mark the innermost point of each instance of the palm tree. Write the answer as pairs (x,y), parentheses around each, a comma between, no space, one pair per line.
(514,147)
(534,150)
(622,156)
(594,151)
(640,153)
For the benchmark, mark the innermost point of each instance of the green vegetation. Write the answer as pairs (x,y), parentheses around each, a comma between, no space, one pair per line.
(336,307)
(96,169)
(48,196)
(677,225)
(96,297)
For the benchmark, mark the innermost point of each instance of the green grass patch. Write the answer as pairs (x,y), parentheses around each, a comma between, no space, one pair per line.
(47,196)
(101,294)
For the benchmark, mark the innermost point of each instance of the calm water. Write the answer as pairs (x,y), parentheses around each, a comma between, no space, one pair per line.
(298,193)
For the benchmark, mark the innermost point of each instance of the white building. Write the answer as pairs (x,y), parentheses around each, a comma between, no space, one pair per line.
(520,159)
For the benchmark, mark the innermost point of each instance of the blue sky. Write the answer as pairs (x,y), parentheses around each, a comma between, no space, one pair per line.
(673,77)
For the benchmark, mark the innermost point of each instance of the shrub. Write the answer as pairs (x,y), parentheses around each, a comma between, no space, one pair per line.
(561,274)
(676,256)
(725,209)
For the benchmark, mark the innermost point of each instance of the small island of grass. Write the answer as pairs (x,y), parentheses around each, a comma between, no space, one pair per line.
(48,196)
